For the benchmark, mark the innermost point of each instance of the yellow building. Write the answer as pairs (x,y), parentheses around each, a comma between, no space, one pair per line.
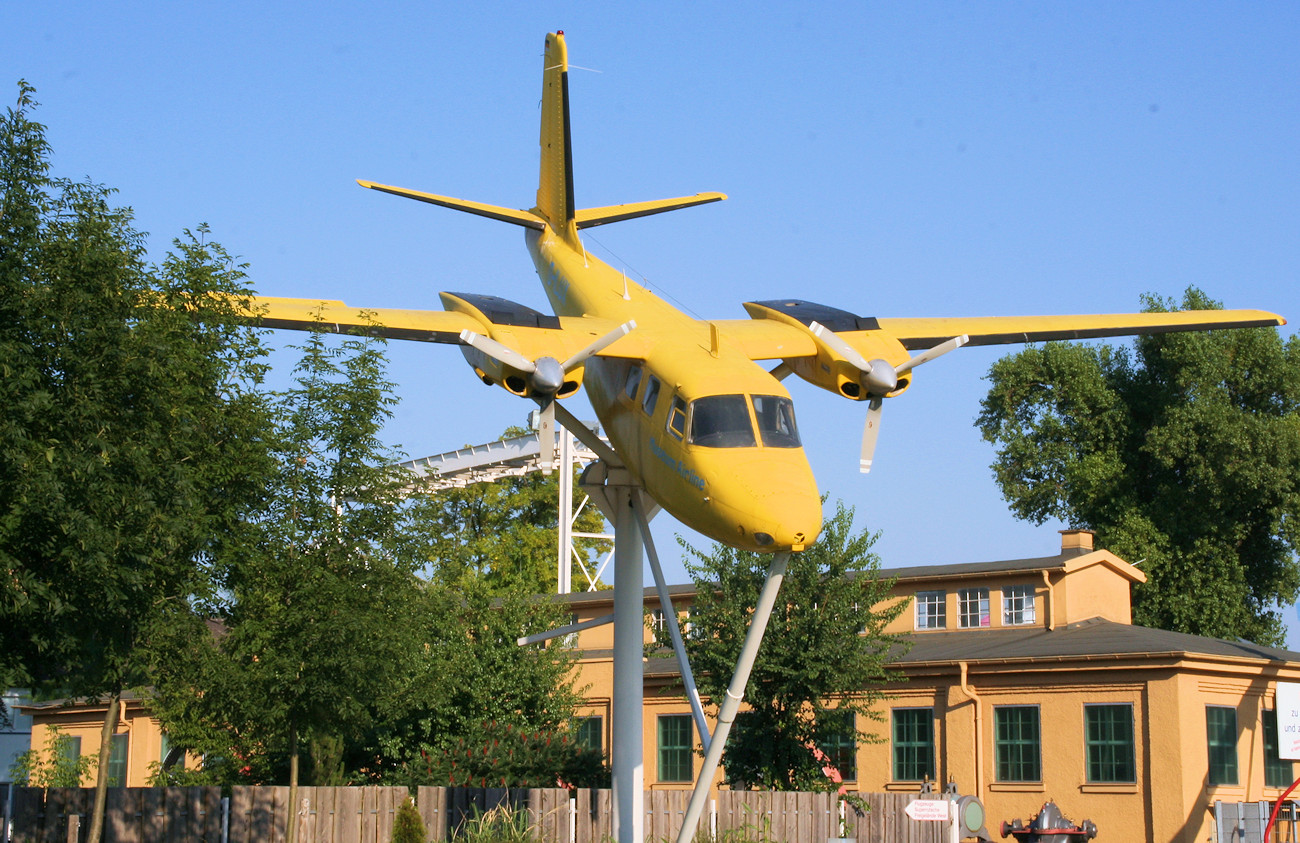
(1026,681)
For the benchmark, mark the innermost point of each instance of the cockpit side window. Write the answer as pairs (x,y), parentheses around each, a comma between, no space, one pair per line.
(776,421)
(632,382)
(651,395)
(677,417)
(721,421)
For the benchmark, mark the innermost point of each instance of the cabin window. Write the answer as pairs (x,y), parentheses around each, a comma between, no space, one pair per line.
(722,421)
(633,381)
(651,395)
(677,418)
(776,421)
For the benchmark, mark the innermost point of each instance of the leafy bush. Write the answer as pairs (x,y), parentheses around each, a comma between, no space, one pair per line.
(54,766)
(407,826)
(505,756)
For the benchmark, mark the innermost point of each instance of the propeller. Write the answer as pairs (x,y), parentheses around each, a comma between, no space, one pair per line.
(878,378)
(545,375)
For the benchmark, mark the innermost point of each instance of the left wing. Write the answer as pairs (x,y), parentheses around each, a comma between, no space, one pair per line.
(531,333)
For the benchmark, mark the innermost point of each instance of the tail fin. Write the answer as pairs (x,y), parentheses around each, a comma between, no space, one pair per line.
(555,206)
(555,185)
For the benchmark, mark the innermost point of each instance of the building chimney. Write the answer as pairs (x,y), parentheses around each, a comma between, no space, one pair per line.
(1077,542)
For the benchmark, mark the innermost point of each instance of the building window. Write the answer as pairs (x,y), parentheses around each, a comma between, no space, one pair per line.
(1017,744)
(675,736)
(1017,605)
(931,609)
(1277,770)
(1221,740)
(973,607)
(839,742)
(1108,732)
(913,730)
(591,732)
(117,761)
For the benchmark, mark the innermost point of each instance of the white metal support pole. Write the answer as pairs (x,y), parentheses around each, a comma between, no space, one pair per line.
(629,688)
(565,549)
(735,692)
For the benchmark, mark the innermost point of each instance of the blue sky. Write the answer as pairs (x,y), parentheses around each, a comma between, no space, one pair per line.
(899,159)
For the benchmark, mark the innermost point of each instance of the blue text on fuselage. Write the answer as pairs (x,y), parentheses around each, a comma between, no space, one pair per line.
(676,465)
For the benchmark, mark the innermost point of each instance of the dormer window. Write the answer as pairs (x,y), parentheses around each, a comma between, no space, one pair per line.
(1017,605)
(973,607)
(931,612)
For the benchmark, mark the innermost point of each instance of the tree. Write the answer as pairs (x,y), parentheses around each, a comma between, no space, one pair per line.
(468,678)
(824,655)
(130,434)
(1182,454)
(316,593)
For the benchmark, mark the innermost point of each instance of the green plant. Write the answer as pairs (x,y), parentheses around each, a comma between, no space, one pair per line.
(59,764)
(502,824)
(408,827)
(501,755)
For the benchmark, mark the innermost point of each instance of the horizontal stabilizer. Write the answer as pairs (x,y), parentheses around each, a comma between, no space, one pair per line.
(589,217)
(496,212)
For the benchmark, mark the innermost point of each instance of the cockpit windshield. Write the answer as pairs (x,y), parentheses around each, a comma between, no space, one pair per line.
(721,421)
(776,421)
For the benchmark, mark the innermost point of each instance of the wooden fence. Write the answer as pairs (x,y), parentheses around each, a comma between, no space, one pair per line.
(366,814)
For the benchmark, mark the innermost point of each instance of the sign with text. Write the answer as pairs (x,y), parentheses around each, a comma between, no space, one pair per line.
(929,810)
(1288,720)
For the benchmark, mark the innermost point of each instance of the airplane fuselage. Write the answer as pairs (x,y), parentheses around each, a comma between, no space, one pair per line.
(708,432)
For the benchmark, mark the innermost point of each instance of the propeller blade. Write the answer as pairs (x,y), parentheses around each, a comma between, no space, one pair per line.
(836,342)
(931,353)
(870,431)
(497,351)
(599,345)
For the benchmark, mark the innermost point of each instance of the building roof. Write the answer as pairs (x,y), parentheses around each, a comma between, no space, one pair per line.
(1091,638)
(1096,638)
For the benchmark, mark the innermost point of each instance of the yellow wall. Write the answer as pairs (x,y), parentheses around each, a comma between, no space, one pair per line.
(144,734)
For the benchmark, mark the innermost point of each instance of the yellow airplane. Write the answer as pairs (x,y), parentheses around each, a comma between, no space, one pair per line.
(707,431)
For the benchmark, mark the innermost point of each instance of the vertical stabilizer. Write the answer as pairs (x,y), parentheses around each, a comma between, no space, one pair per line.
(555,186)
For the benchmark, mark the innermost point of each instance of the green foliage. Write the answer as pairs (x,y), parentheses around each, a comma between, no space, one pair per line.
(502,824)
(316,593)
(1182,453)
(130,436)
(408,827)
(54,766)
(825,651)
(467,670)
(499,755)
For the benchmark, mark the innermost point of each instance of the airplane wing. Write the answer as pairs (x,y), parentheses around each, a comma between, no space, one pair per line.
(1000,330)
(531,333)
(780,329)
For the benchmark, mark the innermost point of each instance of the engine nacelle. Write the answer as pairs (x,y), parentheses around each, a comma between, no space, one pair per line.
(832,372)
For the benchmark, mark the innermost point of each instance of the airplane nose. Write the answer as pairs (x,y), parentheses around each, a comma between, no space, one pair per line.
(784,508)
